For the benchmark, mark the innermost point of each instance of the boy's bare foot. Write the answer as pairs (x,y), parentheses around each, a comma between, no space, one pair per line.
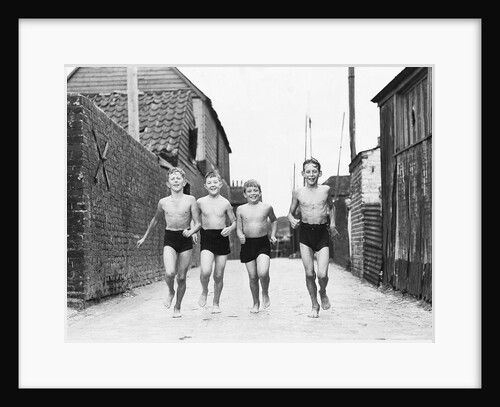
(203,300)
(266,301)
(325,301)
(255,309)
(177,313)
(215,309)
(169,299)
(314,313)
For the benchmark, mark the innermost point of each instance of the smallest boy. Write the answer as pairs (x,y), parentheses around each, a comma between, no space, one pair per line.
(252,230)
(214,211)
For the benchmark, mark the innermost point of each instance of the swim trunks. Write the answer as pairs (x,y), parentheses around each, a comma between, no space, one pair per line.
(177,241)
(212,240)
(254,246)
(314,236)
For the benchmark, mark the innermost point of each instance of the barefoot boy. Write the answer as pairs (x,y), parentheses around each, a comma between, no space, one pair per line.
(314,232)
(251,228)
(182,221)
(214,209)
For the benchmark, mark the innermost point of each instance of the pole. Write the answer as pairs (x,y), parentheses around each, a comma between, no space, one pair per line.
(338,165)
(352,121)
(133,102)
(293,185)
(305,141)
(305,147)
(310,139)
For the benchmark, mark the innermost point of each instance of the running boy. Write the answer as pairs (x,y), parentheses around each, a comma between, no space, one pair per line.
(182,221)
(314,233)
(252,230)
(214,210)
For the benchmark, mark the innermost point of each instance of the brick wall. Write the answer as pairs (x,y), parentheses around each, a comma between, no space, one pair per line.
(365,191)
(103,225)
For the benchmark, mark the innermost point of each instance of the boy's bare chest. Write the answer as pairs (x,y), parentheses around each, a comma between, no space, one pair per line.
(313,199)
(176,207)
(254,214)
(212,209)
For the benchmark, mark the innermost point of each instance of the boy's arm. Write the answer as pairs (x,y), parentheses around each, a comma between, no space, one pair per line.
(333,228)
(274,225)
(230,214)
(294,222)
(195,220)
(239,226)
(194,236)
(152,224)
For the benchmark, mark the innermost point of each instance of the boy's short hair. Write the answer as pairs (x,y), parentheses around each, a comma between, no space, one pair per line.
(251,183)
(211,174)
(173,170)
(312,161)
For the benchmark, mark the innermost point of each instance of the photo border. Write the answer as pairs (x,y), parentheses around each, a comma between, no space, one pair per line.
(453,360)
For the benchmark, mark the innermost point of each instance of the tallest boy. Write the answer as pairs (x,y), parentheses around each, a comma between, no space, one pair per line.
(317,225)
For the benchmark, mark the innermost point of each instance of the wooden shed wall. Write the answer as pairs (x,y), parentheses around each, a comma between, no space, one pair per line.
(109,79)
(407,200)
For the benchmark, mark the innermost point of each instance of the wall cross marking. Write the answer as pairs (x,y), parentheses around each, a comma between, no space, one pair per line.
(102,160)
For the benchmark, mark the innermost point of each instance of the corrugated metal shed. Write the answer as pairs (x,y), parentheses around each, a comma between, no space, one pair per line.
(406,154)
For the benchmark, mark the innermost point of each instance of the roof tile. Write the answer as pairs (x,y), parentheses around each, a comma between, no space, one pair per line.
(162,115)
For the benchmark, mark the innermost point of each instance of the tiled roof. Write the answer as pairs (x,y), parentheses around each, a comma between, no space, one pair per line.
(163,116)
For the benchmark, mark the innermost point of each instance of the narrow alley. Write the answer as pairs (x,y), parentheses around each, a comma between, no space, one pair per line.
(359,312)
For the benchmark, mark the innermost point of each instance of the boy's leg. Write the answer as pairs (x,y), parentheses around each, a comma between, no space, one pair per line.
(254,284)
(206,260)
(183,261)
(169,261)
(323,257)
(220,264)
(307,255)
(263,262)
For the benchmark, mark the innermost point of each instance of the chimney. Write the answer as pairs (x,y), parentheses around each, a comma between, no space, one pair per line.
(133,102)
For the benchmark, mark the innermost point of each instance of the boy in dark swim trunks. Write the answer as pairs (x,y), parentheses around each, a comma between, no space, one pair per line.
(315,232)
(182,222)
(251,228)
(214,212)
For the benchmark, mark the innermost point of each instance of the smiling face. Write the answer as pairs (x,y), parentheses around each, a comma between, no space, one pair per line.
(252,194)
(176,181)
(213,185)
(311,174)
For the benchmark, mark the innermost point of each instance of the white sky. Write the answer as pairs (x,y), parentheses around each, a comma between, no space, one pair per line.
(263,111)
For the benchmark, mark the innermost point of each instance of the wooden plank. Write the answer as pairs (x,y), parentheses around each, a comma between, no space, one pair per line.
(389,129)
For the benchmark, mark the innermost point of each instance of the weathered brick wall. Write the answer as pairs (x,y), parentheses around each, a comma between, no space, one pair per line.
(371,177)
(104,224)
(365,190)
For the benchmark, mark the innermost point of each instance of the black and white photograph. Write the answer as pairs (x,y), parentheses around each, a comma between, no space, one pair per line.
(252,204)
(265,223)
